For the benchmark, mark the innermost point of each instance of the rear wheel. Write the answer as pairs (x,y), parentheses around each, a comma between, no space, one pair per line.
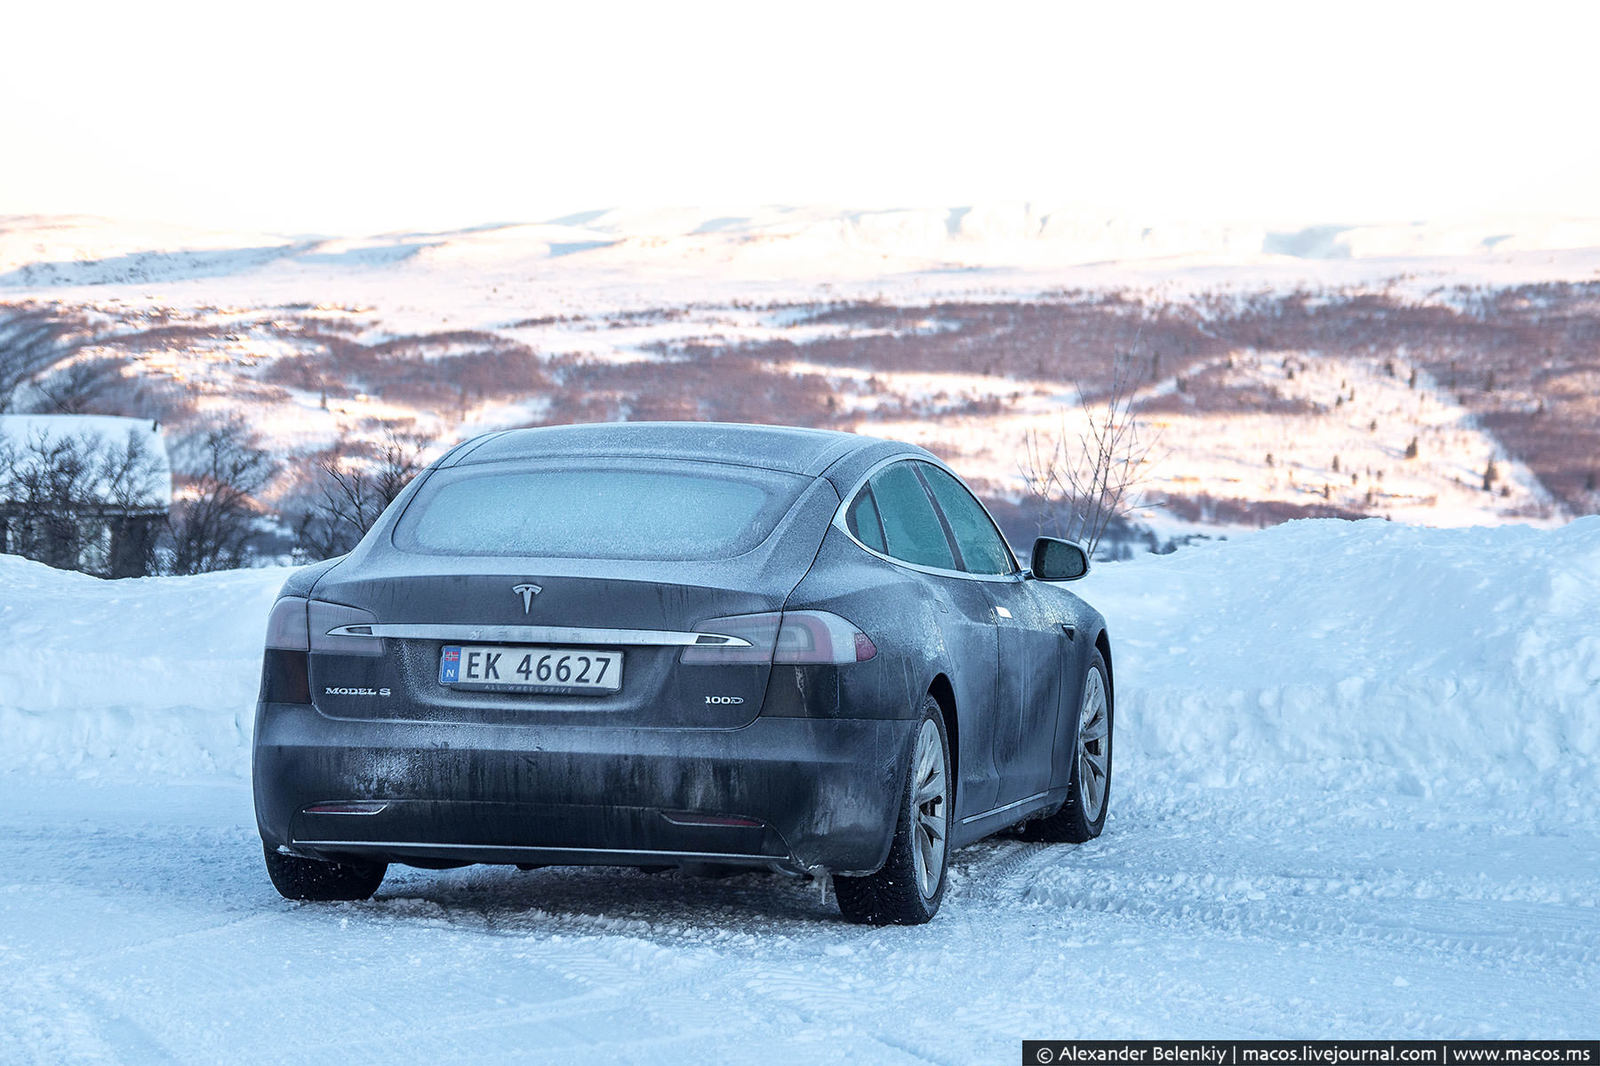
(908,889)
(1088,794)
(314,879)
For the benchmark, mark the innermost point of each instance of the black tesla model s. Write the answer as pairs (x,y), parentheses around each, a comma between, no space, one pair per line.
(658,644)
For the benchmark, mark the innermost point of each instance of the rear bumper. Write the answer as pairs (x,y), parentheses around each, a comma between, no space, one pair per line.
(821,793)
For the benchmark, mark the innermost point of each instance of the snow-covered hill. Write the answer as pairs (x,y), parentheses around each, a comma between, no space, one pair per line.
(598,260)
(1354,792)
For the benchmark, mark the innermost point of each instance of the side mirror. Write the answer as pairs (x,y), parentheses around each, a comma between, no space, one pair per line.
(1059,560)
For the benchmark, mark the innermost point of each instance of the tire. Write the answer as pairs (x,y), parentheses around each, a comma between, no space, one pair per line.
(313,879)
(908,889)
(1083,815)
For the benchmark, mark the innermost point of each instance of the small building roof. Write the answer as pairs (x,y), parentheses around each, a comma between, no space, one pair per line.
(20,431)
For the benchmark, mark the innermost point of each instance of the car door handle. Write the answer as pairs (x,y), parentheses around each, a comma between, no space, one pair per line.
(1070,630)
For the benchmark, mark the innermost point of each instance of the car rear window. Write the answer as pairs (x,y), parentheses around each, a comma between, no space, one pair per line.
(665,511)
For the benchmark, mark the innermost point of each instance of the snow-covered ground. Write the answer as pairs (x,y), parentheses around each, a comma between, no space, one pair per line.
(1345,447)
(1354,794)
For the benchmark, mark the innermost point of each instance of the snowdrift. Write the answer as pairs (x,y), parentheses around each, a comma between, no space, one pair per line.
(154,677)
(1370,655)
(1373,654)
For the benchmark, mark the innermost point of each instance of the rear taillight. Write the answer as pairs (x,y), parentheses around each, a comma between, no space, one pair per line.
(781,637)
(286,625)
(820,637)
(312,625)
(285,675)
(340,630)
(297,627)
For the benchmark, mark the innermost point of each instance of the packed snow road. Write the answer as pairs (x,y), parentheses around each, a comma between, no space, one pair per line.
(138,926)
(1356,770)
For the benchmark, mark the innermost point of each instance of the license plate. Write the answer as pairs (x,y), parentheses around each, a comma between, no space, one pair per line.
(494,668)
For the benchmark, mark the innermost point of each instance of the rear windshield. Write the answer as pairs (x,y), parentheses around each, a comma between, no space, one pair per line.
(659,510)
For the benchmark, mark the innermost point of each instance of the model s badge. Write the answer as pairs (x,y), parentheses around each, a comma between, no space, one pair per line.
(527,591)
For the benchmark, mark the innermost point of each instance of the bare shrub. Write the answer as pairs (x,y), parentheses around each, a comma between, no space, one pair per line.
(213,524)
(80,501)
(1077,491)
(352,491)
(86,385)
(32,339)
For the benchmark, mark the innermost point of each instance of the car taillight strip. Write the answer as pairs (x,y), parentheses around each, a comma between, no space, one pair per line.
(786,637)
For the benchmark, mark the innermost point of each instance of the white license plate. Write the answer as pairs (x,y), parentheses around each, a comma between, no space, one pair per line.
(496,668)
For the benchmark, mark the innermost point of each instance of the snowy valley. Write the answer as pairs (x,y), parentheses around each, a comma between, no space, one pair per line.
(1440,374)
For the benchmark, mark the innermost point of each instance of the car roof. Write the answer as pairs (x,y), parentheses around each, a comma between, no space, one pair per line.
(791,449)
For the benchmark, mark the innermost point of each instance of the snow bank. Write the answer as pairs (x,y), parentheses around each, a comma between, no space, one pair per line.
(132,678)
(1368,655)
(1372,653)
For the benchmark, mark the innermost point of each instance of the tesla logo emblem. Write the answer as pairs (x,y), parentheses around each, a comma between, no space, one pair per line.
(527,592)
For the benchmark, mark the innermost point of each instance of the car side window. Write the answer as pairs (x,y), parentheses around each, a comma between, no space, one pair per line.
(983,549)
(912,531)
(863,521)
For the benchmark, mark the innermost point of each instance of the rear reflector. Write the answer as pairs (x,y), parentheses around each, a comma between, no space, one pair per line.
(346,808)
(297,624)
(726,820)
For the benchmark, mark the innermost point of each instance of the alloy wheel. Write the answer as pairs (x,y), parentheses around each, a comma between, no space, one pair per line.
(930,808)
(1093,751)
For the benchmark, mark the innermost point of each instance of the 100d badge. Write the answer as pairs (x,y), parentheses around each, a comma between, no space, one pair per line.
(501,668)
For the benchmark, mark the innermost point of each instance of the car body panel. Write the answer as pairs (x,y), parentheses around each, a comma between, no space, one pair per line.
(474,790)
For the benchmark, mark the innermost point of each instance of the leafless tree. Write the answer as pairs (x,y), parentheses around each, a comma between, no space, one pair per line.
(1077,489)
(32,340)
(46,483)
(57,488)
(352,491)
(213,523)
(82,386)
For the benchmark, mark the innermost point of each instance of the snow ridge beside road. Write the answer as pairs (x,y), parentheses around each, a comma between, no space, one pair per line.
(1371,654)
(137,680)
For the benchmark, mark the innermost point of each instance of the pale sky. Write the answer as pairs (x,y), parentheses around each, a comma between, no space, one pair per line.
(354,117)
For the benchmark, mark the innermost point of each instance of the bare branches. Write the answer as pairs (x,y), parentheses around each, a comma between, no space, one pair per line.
(82,386)
(352,492)
(69,500)
(1077,492)
(31,341)
(213,524)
